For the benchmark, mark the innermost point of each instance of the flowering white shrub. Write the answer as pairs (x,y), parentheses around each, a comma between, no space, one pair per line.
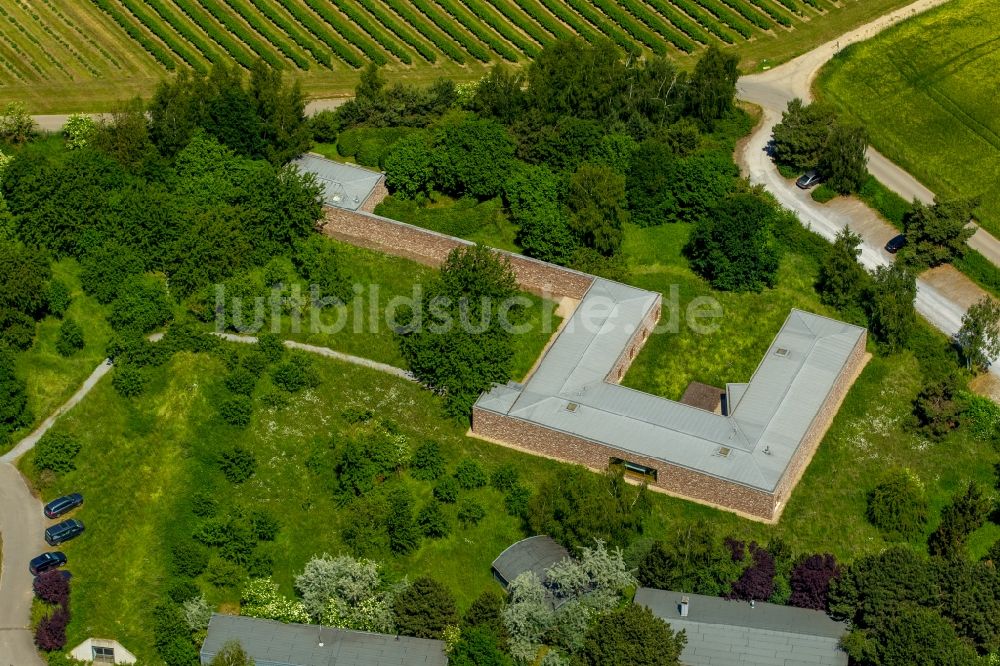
(262,599)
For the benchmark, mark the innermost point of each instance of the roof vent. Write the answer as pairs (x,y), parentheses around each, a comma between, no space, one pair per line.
(684,606)
(723,451)
(781,351)
(571,407)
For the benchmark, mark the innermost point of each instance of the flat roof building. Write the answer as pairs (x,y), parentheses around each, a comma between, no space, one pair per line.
(536,554)
(722,633)
(346,186)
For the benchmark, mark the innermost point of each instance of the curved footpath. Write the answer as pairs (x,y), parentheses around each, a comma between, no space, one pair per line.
(943,294)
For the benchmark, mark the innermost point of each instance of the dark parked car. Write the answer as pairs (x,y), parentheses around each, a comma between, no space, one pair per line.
(808,179)
(896,244)
(64,504)
(64,531)
(46,561)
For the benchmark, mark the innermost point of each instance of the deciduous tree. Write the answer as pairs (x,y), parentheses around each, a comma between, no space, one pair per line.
(979,337)
(937,234)
(889,304)
(631,636)
(841,278)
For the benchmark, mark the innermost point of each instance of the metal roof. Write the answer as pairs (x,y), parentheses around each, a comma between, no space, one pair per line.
(344,185)
(570,392)
(536,553)
(722,633)
(272,643)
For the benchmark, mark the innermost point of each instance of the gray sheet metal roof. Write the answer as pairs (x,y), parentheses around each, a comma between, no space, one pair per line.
(344,185)
(722,633)
(569,392)
(273,643)
(536,553)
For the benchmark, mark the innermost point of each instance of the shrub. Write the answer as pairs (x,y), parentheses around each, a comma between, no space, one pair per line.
(204,505)
(51,632)
(182,589)
(324,126)
(52,588)
(59,298)
(810,581)
(237,464)
(271,346)
(261,565)
(129,381)
(427,463)
(225,573)
(197,613)
(470,474)
(188,558)
(446,490)
(516,501)
(295,374)
(142,305)
(236,411)
(432,521)
(470,512)
(424,609)
(264,524)
(757,581)
(897,505)
(403,532)
(823,194)
(505,477)
(55,451)
(241,381)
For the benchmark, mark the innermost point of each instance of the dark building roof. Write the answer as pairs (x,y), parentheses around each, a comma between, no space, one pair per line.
(273,643)
(722,633)
(704,397)
(536,553)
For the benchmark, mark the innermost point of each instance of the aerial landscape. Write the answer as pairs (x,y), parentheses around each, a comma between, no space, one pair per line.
(499,332)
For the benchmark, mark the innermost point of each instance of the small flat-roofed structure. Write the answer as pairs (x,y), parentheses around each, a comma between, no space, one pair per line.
(704,397)
(747,460)
(723,633)
(536,554)
(272,643)
(345,186)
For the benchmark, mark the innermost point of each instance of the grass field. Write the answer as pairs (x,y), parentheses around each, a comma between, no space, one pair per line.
(926,89)
(62,57)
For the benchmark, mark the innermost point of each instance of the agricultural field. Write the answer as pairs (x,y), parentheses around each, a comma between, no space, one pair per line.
(926,90)
(84,56)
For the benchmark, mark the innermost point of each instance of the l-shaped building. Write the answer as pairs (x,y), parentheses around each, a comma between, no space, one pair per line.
(746,459)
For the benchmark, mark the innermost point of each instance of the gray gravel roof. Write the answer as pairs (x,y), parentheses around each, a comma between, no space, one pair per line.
(723,633)
(344,185)
(273,643)
(569,392)
(536,553)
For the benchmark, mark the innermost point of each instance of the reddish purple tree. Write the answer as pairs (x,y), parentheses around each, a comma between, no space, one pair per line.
(757,581)
(51,632)
(737,549)
(52,588)
(810,581)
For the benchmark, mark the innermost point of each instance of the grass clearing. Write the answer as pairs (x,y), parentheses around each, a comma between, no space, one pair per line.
(926,91)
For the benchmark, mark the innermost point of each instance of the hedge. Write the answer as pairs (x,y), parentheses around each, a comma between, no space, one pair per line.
(356,37)
(255,45)
(263,28)
(391,23)
(286,26)
(319,30)
(149,45)
(501,26)
(427,29)
(183,28)
(448,26)
(384,39)
(522,21)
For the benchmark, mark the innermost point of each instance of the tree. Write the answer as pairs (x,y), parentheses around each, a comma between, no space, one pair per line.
(24,277)
(473,157)
(125,135)
(237,464)
(597,208)
(844,163)
(232,654)
(432,521)
(478,647)
(937,408)
(129,380)
(693,559)
(912,635)
(486,612)
(237,411)
(427,463)
(898,506)
(631,636)
(59,298)
(457,342)
(967,512)
(52,587)
(142,305)
(712,87)
(55,451)
(532,194)
(979,337)
(937,234)
(409,166)
(801,137)
(78,130)
(470,512)
(425,608)
(107,267)
(16,124)
(404,534)
(70,338)
(841,278)
(757,580)
(734,248)
(810,581)
(51,632)
(342,580)
(470,474)
(889,303)
(285,131)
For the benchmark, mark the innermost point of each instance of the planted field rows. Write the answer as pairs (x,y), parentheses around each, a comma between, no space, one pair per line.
(49,41)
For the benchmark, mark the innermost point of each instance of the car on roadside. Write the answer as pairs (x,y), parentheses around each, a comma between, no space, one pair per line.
(64,531)
(63,505)
(47,561)
(896,244)
(808,179)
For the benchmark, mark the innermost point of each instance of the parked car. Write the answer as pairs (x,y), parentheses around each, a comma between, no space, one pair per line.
(896,244)
(62,505)
(64,531)
(46,561)
(808,179)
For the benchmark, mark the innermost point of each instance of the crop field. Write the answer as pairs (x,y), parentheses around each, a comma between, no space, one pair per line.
(62,56)
(927,91)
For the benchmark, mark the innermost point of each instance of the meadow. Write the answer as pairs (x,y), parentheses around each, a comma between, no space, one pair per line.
(84,56)
(926,90)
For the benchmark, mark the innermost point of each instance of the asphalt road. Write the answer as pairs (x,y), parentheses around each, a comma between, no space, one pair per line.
(942,301)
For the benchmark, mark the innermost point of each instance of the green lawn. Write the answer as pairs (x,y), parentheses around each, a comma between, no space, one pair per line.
(926,90)
(466,218)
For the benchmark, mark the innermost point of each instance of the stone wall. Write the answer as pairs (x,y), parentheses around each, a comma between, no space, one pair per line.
(375,198)
(431,248)
(671,479)
(635,343)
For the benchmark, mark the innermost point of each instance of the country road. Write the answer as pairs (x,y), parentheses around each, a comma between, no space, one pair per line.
(942,296)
